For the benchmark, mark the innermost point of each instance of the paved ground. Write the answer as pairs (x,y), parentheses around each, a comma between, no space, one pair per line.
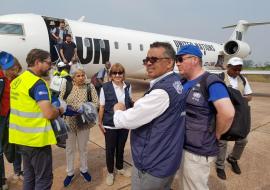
(255,163)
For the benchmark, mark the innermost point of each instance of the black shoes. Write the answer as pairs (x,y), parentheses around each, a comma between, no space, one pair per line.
(221,173)
(235,167)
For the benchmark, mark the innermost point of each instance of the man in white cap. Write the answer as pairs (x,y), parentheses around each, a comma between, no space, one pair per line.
(233,78)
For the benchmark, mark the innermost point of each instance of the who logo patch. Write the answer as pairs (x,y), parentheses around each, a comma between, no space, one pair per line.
(178,87)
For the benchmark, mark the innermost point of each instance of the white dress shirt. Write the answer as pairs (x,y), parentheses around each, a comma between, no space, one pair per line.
(145,109)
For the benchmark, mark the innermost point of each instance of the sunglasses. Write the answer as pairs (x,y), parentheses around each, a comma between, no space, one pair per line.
(153,60)
(180,58)
(117,73)
(237,69)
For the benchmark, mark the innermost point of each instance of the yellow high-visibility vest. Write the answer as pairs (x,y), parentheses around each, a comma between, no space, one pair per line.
(27,126)
(64,73)
(56,73)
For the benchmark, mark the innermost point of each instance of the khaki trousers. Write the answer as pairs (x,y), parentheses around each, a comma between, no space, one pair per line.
(194,171)
(80,138)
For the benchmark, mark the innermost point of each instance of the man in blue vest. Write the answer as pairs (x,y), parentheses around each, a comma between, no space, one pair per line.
(157,122)
(209,114)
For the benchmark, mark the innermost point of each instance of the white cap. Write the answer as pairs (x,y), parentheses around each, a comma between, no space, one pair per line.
(61,64)
(235,61)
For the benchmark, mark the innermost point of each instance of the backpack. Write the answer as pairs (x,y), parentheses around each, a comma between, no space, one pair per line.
(56,83)
(95,81)
(69,86)
(60,130)
(240,127)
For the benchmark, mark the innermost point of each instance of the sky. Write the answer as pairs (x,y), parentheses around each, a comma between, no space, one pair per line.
(202,20)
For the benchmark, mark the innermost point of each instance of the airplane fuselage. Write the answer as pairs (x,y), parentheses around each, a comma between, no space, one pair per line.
(96,44)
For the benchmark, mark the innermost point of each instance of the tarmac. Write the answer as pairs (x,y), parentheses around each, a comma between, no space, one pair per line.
(255,161)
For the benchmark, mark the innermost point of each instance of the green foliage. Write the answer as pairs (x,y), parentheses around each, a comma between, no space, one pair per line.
(250,65)
(265,68)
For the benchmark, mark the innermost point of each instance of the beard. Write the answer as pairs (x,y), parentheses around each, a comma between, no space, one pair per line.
(45,73)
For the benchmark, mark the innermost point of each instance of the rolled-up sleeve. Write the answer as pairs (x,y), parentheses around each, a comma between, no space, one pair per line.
(144,111)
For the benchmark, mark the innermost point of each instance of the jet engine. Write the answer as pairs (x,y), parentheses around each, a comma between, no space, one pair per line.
(236,48)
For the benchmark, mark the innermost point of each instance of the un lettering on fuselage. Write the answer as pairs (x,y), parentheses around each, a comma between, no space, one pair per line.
(94,49)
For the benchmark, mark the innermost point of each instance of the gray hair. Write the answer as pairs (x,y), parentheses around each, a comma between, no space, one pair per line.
(169,51)
(75,69)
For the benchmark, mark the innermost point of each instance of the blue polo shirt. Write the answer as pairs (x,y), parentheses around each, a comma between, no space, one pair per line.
(39,91)
(216,90)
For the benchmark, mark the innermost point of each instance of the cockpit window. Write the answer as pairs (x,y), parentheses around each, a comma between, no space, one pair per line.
(15,29)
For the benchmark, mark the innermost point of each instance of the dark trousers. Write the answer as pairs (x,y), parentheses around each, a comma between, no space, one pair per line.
(98,90)
(2,172)
(37,163)
(17,164)
(115,140)
(2,164)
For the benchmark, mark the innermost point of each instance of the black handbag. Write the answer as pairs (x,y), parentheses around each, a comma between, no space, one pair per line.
(81,121)
(9,151)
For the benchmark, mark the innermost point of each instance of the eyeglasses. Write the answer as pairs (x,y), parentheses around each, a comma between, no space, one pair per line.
(153,60)
(180,58)
(47,62)
(117,73)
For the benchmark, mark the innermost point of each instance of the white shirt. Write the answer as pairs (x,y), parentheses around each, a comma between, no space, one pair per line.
(145,109)
(57,82)
(120,95)
(61,34)
(234,83)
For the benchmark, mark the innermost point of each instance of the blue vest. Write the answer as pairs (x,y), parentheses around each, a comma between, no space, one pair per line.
(157,146)
(200,135)
(111,100)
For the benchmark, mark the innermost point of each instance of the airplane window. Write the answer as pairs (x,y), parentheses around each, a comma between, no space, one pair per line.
(129,46)
(86,42)
(11,29)
(102,44)
(116,45)
(141,47)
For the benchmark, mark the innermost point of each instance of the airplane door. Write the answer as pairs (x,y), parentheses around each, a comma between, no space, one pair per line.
(220,61)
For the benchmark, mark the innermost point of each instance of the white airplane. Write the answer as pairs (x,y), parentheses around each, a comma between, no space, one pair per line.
(96,44)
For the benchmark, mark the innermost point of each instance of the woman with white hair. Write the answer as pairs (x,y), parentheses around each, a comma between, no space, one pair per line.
(75,94)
